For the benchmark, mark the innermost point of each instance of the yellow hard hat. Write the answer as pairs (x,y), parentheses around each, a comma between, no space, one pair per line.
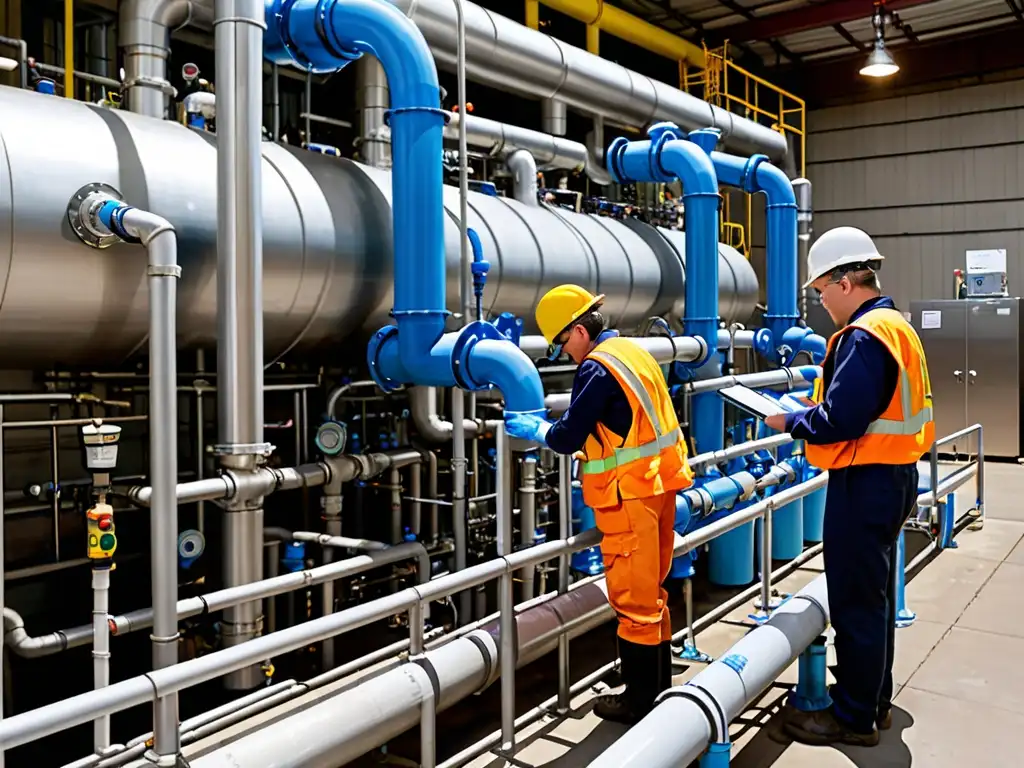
(561,306)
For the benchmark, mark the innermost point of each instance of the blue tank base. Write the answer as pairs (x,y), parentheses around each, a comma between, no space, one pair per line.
(814,516)
(731,557)
(690,652)
(719,755)
(788,531)
(811,693)
(947,524)
(904,616)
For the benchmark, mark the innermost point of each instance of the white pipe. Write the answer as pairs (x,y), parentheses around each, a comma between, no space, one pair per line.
(100,651)
(678,729)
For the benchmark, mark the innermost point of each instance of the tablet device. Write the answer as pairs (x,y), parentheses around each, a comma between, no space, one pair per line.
(751,401)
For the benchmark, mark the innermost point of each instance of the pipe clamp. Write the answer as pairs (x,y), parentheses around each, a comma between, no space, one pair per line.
(165,270)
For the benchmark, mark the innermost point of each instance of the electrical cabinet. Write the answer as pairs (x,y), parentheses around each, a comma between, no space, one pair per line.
(974,361)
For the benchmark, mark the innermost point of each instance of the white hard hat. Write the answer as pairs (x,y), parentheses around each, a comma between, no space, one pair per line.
(838,247)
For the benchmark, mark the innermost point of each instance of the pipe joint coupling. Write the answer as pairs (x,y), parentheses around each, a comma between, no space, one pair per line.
(95,213)
(462,352)
(748,181)
(302,32)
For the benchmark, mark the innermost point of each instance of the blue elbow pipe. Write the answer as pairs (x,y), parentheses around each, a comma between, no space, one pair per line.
(325,36)
(755,175)
(667,156)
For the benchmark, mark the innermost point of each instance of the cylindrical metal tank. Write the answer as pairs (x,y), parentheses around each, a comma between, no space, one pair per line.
(327,242)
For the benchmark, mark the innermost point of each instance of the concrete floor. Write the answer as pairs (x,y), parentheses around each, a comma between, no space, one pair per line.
(958,667)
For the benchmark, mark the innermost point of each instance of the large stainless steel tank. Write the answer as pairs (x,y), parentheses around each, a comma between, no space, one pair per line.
(327,242)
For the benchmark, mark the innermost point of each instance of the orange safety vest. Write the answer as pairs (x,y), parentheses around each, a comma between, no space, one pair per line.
(651,459)
(906,430)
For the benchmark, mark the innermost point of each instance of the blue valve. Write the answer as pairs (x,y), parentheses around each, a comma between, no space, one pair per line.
(408,535)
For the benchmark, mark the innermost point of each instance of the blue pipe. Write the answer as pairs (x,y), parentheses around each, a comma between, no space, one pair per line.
(667,156)
(325,36)
(756,174)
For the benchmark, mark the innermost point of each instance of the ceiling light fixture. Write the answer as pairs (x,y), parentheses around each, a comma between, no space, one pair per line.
(880,62)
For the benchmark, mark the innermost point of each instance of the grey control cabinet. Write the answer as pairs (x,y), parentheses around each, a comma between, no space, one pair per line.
(974,361)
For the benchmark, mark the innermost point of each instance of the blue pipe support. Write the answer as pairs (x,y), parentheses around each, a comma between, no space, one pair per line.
(753,175)
(325,36)
(811,694)
(814,508)
(717,756)
(588,561)
(947,524)
(904,616)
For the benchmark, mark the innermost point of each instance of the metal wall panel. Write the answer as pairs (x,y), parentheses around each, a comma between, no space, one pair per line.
(928,176)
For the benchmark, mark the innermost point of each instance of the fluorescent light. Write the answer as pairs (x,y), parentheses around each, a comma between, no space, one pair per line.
(7,65)
(880,63)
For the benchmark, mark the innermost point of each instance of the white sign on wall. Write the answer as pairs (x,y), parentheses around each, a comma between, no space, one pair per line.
(986,261)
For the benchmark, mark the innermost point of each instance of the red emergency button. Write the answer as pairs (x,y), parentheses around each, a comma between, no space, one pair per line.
(106,524)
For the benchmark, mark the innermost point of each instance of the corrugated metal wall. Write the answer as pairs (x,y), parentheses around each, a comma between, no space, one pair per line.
(929,177)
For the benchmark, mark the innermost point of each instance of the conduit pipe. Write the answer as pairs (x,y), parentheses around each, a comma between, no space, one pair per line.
(667,156)
(524,177)
(689,717)
(99,219)
(504,54)
(326,37)
(430,425)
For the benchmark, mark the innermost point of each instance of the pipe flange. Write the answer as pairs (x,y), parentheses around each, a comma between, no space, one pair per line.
(81,216)
(373,350)
(463,348)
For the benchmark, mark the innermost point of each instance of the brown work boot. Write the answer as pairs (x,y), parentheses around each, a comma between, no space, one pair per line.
(640,671)
(884,721)
(822,728)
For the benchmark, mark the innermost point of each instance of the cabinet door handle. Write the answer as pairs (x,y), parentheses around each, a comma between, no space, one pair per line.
(973,375)
(959,376)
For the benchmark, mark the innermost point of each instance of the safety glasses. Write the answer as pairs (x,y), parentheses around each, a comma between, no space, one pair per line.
(555,349)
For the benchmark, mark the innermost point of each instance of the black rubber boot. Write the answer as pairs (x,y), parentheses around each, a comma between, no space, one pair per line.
(665,666)
(641,673)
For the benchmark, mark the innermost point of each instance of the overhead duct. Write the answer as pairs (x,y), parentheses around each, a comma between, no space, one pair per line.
(335,286)
(504,54)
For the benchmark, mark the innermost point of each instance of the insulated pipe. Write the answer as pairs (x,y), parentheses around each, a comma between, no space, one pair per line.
(144,30)
(754,175)
(528,516)
(238,37)
(688,717)
(504,54)
(524,177)
(553,115)
(667,156)
(415,350)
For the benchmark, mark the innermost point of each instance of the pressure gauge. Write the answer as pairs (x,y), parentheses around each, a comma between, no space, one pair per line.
(191,544)
(330,438)
(189,72)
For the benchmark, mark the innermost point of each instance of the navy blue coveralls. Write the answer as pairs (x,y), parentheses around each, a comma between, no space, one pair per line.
(865,508)
(596,397)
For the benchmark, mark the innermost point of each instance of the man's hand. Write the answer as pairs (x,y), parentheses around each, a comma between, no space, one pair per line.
(776,422)
(526,426)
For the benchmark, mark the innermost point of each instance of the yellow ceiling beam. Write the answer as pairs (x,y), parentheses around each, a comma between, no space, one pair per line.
(617,22)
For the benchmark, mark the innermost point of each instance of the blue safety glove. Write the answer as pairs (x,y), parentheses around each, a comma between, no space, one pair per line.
(527,426)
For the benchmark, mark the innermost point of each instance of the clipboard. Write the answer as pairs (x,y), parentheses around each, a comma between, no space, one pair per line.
(752,402)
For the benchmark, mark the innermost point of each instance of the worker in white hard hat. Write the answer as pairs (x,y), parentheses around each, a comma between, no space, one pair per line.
(871,424)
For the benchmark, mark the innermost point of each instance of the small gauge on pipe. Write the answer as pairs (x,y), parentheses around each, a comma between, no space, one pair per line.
(330,438)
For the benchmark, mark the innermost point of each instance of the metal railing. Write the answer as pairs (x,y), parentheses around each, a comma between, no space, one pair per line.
(77,710)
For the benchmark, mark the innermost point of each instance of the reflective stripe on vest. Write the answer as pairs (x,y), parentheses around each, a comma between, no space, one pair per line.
(647,450)
(911,423)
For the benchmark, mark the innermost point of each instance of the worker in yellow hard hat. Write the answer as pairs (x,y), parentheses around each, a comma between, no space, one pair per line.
(622,418)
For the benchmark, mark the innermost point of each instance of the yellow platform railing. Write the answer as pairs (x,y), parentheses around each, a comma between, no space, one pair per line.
(731,87)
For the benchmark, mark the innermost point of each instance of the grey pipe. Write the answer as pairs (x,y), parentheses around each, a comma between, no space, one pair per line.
(524,177)
(238,37)
(553,116)
(372,101)
(429,423)
(506,55)
(340,542)
(22,47)
(528,517)
(678,729)
(501,139)
(789,377)
(275,102)
(144,28)
(805,228)
(101,651)
(388,705)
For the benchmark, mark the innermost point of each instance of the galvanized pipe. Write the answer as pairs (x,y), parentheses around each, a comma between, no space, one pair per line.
(524,177)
